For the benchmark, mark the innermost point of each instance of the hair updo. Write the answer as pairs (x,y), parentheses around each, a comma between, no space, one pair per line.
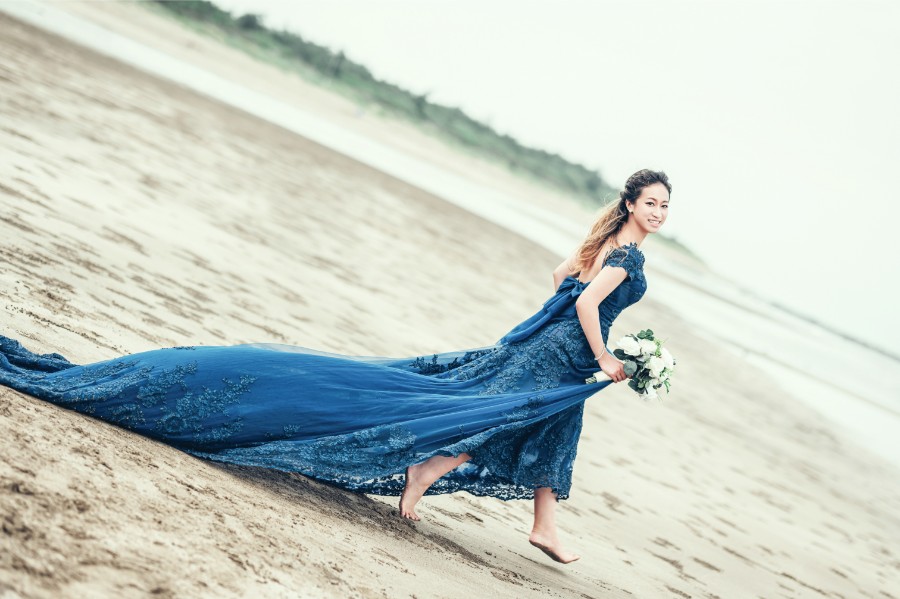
(638,181)
(614,215)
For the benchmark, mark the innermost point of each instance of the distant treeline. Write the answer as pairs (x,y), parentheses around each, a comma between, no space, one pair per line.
(451,122)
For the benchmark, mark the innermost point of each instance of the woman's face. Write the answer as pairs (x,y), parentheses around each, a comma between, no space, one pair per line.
(651,208)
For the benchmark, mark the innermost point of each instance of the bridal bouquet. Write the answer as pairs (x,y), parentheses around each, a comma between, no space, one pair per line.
(646,361)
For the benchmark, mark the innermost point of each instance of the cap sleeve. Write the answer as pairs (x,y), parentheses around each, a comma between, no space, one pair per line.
(627,257)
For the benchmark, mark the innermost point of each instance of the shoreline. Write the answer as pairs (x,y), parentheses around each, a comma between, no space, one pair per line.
(540,224)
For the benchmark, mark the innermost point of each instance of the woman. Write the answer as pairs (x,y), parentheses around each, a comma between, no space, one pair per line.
(500,420)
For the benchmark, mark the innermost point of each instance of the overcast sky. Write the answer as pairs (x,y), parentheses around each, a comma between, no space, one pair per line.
(777,122)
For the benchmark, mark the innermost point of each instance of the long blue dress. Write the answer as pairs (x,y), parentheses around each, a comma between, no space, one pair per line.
(358,421)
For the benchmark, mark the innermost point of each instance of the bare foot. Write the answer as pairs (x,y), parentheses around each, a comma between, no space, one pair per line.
(412,493)
(552,547)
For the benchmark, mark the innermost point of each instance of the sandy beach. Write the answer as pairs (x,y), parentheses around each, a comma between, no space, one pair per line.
(137,214)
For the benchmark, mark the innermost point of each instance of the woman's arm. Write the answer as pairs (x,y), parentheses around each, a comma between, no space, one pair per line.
(586,306)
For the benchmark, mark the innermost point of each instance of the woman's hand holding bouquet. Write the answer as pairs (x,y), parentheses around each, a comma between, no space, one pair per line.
(644,361)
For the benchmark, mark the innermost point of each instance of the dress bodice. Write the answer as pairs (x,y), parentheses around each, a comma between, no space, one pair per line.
(630,291)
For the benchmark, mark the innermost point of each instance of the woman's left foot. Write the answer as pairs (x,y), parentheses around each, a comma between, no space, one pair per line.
(412,493)
(553,548)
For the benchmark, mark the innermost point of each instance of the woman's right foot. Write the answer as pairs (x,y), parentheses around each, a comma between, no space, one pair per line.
(550,545)
(412,493)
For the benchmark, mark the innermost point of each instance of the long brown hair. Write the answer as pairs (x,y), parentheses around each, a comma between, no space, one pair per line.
(614,215)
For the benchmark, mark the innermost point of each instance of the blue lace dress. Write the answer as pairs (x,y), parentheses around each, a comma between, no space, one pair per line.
(358,421)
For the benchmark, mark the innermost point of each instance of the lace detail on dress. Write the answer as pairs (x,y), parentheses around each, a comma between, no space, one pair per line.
(627,256)
(154,400)
(538,362)
(192,410)
(353,457)
(424,366)
(508,462)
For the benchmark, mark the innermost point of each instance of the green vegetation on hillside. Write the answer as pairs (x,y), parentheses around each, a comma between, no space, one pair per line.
(291,51)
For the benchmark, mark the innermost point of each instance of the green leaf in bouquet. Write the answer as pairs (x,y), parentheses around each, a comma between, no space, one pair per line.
(620,353)
(634,385)
(630,367)
(666,383)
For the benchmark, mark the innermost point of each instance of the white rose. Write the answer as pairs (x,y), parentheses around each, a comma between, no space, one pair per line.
(655,365)
(650,393)
(648,347)
(630,345)
(667,357)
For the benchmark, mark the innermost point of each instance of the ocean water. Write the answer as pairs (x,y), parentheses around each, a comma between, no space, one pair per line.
(854,386)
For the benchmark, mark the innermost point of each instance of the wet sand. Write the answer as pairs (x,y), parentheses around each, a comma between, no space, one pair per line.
(136,215)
